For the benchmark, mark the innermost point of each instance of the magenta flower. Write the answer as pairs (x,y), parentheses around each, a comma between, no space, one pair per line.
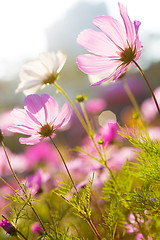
(39,118)
(8,227)
(113,49)
(36,228)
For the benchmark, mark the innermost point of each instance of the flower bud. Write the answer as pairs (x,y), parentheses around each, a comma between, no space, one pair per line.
(1,136)
(81,98)
(8,227)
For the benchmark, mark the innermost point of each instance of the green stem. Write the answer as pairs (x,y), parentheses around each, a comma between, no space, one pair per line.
(131,97)
(65,165)
(142,73)
(16,178)
(73,106)
(86,117)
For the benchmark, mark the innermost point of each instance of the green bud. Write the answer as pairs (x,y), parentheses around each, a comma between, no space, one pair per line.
(81,98)
(100,141)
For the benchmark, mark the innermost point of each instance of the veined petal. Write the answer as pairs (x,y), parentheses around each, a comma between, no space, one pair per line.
(34,69)
(48,60)
(35,106)
(129,26)
(24,85)
(22,129)
(31,140)
(51,107)
(95,65)
(32,89)
(63,116)
(112,28)
(114,75)
(96,42)
(61,60)
(20,117)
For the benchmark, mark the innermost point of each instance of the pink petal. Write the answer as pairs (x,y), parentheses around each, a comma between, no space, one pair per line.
(114,75)
(63,116)
(22,129)
(95,65)
(130,29)
(51,107)
(96,42)
(20,117)
(31,140)
(35,106)
(112,28)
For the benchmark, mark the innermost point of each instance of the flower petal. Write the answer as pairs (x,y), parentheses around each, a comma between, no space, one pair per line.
(96,42)
(63,116)
(51,107)
(21,129)
(20,117)
(95,65)
(129,26)
(112,28)
(34,69)
(31,140)
(35,106)
(61,59)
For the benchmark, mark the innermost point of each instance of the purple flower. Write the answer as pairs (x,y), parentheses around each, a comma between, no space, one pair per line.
(36,228)
(39,118)
(8,227)
(112,49)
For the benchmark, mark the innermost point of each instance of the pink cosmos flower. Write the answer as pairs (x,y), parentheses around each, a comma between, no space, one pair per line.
(37,228)
(39,118)
(95,106)
(113,49)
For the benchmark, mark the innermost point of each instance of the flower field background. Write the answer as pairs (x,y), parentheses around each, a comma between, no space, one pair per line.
(86,164)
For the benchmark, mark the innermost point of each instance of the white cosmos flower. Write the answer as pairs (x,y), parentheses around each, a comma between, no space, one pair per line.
(34,75)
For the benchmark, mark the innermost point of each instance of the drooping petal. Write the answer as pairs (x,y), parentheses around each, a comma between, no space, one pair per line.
(96,42)
(114,75)
(32,89)
(112,28)
(50,106)
(31,140)
(63,116)
(33,85)
(129,26)
(95,65)
(35,106)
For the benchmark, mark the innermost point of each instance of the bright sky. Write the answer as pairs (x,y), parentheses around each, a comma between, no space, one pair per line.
(23,24)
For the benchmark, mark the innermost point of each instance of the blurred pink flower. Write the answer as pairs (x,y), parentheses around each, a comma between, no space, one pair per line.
(37,228)
(34,75)
(36,180)
(108,132)
(42,152)
(8,227)
(39,118)
(5,121)
(95,106)
(148,107)
(113,49)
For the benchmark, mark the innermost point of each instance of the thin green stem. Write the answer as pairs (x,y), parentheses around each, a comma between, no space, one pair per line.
(142,73)
(86,117)
(87,219)
(90,134)
(65,165)
(131,97)
(25,194)
(73,106)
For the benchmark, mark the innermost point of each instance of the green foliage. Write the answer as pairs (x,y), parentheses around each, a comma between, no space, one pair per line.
(79,200)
